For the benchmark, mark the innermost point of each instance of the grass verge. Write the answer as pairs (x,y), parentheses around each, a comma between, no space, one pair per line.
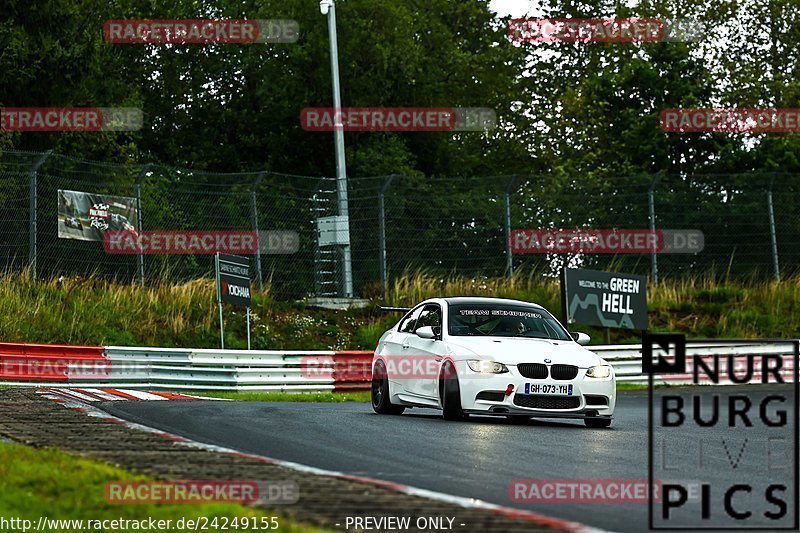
(631,386)
(60,486)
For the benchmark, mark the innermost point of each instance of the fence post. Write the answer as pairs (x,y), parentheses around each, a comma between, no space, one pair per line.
(254,225)
(32,207)
(652,209)
(507,206)
(325,268)
(772,235)
(137,189)
(382,234)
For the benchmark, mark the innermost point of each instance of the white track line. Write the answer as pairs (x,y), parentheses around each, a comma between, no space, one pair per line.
(74,394)
(103,395)
(142,395)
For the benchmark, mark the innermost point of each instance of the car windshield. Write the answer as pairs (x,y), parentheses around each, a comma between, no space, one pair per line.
(504,320)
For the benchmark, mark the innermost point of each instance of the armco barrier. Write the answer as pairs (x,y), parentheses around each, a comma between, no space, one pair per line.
(52,363)
(265,370)
(352,370)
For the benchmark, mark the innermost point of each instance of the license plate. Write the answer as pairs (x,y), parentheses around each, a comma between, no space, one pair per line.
(545,388)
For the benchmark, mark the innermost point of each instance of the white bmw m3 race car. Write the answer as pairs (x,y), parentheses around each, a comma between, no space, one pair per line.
(490,356)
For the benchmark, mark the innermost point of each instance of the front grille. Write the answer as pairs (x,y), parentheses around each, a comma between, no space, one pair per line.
(492,396)
(547,402)
(533,370)
(563,372)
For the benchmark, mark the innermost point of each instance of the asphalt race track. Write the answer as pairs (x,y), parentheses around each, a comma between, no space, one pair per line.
(479,458)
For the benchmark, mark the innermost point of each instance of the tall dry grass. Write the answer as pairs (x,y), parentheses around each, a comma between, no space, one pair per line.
(413,287)
(700,306)
(89,310)
(92,310)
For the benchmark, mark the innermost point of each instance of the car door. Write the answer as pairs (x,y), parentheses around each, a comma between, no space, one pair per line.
(396,348)
(427,353)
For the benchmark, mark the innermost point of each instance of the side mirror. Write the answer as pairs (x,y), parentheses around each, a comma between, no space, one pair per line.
(581,338)
(425,332)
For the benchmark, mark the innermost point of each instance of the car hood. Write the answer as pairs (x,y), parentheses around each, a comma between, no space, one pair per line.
(512,351)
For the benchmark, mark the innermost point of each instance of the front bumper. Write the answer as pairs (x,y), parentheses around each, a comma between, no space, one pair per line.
(580,397)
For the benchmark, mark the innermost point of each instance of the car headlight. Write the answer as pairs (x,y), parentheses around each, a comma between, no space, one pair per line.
(487,367)
(599,371)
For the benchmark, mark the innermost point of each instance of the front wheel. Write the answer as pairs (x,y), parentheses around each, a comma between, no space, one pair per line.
(450,393)
(380,393)
(597,422)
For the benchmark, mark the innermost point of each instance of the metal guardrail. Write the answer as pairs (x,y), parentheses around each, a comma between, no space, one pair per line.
(273,370)
(162,368)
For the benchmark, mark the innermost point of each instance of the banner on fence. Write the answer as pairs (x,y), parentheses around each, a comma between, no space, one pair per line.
(88,216)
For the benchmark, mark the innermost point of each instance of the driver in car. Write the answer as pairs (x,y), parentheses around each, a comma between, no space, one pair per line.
(513,326)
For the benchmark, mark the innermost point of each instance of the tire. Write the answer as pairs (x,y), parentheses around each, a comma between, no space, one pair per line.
(597,422)
(381,403)
(450,393)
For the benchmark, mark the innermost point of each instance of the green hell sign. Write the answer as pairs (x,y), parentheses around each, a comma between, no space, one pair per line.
(604,299)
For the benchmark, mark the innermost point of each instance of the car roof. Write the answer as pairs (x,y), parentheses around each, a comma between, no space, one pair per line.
(477,300)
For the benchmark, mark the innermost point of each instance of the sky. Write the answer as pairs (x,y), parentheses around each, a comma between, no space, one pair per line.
(517,8)
(521,8)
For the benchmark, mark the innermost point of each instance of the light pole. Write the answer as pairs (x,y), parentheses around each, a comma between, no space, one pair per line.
(328,8)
